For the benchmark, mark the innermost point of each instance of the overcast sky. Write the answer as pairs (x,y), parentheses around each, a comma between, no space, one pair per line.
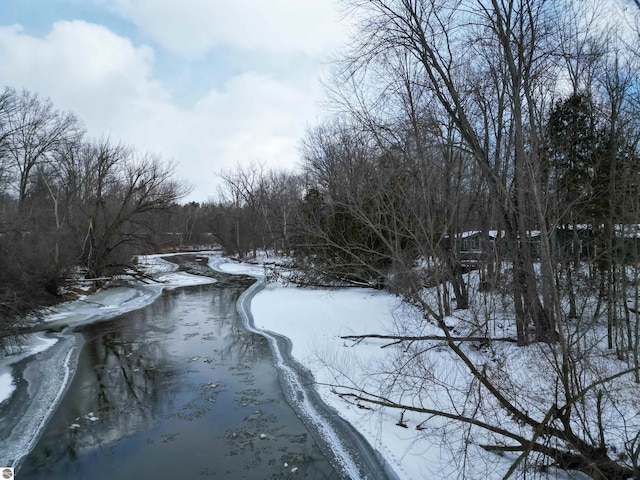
(206,83)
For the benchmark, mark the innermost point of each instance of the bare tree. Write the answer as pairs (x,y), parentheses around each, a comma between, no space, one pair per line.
(509,47)
(66,203)
(36,130)
(280,200)
(114,190)
(240,197)
(491,72)
(30,132)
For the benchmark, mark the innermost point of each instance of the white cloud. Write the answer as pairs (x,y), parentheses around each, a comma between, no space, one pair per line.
(83,67)
(251,118)
(109,83)
(193,27)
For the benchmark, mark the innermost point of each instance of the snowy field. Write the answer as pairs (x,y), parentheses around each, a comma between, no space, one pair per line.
(315,319)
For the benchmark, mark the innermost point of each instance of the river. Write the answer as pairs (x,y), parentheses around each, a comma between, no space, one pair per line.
(177,389)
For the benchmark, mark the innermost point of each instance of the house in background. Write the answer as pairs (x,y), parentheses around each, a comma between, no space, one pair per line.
(475,245)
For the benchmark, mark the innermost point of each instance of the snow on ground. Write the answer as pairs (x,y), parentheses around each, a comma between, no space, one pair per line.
(155,264)
(35,343)
(130,296)
(225,265)
(6,386)
(314,320)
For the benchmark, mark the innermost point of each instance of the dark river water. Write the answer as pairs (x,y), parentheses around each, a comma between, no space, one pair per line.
(176,390)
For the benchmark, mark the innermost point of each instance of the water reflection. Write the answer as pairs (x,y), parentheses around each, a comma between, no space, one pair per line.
(176,390)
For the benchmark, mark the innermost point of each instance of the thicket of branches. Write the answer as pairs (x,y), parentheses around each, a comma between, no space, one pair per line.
(68,204)
(256,209)
(519,121)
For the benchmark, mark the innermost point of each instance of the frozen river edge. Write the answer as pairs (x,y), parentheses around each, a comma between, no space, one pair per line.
(350,453)
(26,413)
(42,373)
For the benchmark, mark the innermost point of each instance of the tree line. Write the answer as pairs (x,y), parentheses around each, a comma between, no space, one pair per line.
(70,206)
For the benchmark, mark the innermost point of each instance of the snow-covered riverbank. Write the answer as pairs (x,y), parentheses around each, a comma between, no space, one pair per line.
(314,320)
(346,448)
(310,322)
